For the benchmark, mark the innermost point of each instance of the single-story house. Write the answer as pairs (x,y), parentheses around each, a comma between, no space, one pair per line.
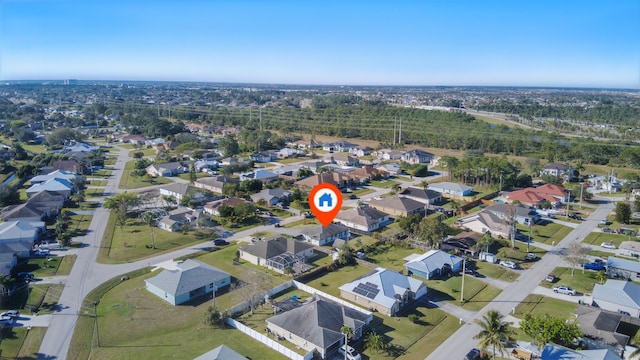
(316,326)
(264,156)
(222,352)
(619,296)
(166,169)
(363,218)
(451,188)
(417,156)
(190,280)
(9,257)
(463,243)
(367,173)
(398,206)
(174,220)
(344,160)
(62,186)
(556,352)
(202,165)
(324,235)
(361,151)
(278,253)
(213,207)
(558,170)
(425,196)
(630,249)
(21,231)
(179,190)
(338,180)
(523,215)
(233,161)
(60,174)
(532,196)
(215,183)
(272,196)
(483,222)
(339,146)
(384,291)
(286,153)
(623,268)
(602,326)
(263,175)
(390,168)
(388,154)
(432,264)
(24,211)
(52,200)
(71,165)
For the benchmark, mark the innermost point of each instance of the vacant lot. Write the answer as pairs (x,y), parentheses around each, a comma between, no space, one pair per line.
(477,294)
(540,305)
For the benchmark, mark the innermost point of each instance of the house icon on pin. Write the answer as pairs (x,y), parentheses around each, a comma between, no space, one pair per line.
(326,200)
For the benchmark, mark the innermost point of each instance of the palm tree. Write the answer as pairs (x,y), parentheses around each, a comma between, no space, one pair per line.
(455,206)
(348,334)
(375,342)
(150,219)
(396,188)
(424,184)
(601,276)
(494,331)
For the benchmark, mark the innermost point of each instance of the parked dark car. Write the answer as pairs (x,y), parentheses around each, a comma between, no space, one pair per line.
(597,266)
(473,354)
(220,242)
(471,272)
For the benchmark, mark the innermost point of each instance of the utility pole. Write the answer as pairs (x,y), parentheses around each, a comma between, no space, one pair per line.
(260,119)
(95,312)
(400,133)
(464,268)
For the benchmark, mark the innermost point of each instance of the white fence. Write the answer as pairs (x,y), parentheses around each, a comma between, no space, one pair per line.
(243,306)
(269,342)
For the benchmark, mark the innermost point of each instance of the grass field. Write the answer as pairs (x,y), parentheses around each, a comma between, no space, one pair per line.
(154,329)
(132,182)
(539,305)
(548,232)
(582,281)
(45,267)
(597,238)
(129,244)
(21,343)
(477,294)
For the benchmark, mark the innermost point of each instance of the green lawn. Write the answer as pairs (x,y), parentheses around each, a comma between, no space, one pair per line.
(496,271)
(302,223)
(129,244)
(102,173)
(582,281)
(538,305)
(362,191)
(384,184)
(187,176)
(596,238)
(97,183)
(45,267)
(477,294)
(132,182)
(331,281)
(154,328)
(547,232)
(518,254)
(21,343)
(390,257)
(146,151)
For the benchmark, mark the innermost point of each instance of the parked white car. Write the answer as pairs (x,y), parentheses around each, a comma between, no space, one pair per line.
(509,264)
(608,245)
(564,290)
(352,354)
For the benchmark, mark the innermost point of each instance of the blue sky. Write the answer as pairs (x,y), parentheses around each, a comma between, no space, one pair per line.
(443,42)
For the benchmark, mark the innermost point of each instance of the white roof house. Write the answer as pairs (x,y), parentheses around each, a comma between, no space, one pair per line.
(60,174)
(619,296)
(190,280)
(385,290)
(451,188)
(20,231)
(61,186)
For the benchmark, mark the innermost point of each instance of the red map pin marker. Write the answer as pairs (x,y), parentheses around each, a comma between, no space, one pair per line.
(325,201)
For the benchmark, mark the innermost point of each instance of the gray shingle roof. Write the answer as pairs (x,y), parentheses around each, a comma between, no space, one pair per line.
(222,352)
(191,275)
(266,249)
(319,321)
(321,232)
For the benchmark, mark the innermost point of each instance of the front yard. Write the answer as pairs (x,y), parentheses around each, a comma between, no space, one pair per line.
(539,305)
(582,281)
(477,294)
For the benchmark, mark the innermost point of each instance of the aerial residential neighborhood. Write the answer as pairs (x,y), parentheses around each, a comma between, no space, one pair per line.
(319,180)
(212,232)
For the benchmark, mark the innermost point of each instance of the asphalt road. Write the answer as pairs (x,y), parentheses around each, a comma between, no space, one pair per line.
(458,344)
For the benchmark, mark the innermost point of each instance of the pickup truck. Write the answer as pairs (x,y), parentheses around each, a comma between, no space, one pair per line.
(564,290)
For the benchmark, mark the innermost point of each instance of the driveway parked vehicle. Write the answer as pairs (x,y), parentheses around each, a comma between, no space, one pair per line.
(352,354)
(564,290)
(531,256)
(608,245)
(11,313)
(597,266)
(508,264)
(550,278)
(473,354)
